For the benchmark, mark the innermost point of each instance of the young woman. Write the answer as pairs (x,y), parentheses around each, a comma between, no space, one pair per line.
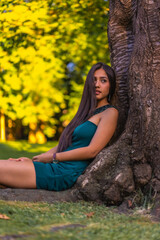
(86,135)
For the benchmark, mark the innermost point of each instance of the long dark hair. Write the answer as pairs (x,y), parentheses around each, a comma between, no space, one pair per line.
(88,103)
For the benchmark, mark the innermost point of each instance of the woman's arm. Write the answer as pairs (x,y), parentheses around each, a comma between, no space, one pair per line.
(104,132)
(45,157)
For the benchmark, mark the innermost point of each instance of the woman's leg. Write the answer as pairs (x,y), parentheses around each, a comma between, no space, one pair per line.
(17,174)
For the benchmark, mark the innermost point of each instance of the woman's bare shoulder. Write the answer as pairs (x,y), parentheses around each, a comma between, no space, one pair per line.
(111,112)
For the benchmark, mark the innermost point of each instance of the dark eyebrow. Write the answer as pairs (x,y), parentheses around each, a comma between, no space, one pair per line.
(103,77)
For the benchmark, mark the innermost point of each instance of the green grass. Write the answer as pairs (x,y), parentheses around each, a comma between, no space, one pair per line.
(35,220)
(23,149)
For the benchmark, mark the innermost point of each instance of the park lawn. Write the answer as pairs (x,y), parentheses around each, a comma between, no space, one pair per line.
(23,149)
(54,221)
(40,221)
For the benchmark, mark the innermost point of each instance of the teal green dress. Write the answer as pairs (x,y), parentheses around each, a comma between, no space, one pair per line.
(63,175)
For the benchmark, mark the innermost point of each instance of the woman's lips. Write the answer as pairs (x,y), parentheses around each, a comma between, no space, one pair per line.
(97,92)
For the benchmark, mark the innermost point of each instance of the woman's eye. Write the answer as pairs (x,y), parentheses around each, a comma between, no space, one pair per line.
(103,80)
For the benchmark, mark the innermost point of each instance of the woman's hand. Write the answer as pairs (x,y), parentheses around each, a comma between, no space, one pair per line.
(44,157)
(19,159)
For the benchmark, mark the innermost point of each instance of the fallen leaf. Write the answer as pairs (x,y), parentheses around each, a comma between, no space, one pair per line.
(90,214)
(130,203)
(3,216)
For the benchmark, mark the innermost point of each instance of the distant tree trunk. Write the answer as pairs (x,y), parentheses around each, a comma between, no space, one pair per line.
(133,161)
(2,127)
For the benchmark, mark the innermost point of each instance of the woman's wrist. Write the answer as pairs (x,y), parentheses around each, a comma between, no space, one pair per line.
(47,156)
(55,160)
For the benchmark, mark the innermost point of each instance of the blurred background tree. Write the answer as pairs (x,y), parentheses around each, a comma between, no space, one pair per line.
(46,50)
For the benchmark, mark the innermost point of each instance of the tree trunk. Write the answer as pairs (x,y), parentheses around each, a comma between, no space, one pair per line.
(2,127)
(132,162)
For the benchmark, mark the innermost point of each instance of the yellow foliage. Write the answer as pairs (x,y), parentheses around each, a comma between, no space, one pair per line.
(40,137)
(13,81)
(32,126)
(32,137)
(38,40)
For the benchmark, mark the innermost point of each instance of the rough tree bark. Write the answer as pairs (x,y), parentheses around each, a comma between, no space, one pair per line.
(132,162)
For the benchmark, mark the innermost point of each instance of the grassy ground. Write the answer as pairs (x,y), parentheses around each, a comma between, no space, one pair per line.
(23,149)
(55,221)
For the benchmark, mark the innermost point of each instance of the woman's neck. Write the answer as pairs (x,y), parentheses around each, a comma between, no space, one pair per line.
(102,103)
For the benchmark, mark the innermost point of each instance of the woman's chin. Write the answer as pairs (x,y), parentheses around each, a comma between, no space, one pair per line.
(100,98)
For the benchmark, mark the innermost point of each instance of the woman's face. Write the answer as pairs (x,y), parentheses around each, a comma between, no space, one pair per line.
(102,85)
